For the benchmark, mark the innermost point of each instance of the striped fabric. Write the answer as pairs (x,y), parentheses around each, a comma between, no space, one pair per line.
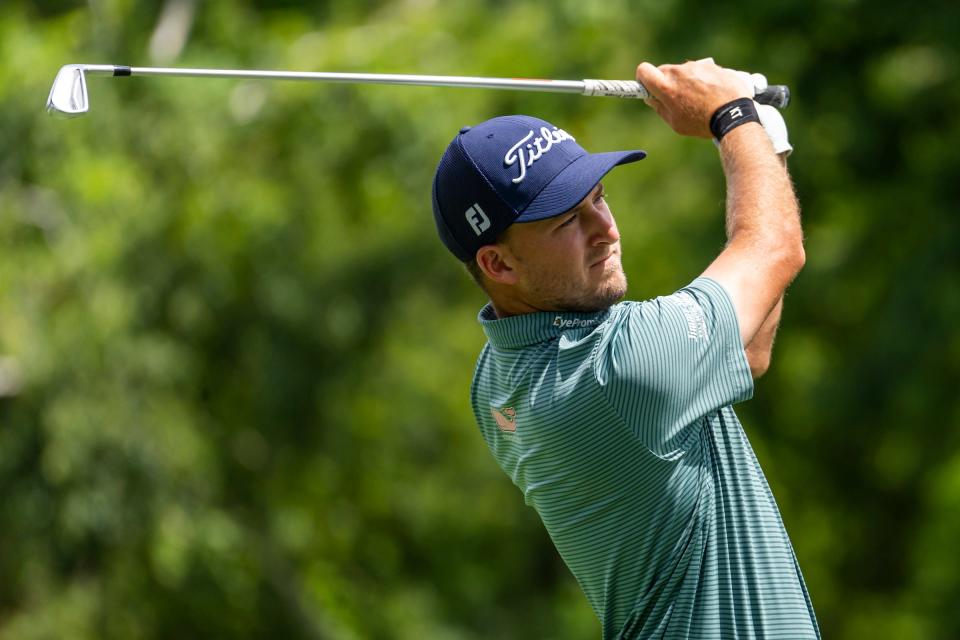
(617,428)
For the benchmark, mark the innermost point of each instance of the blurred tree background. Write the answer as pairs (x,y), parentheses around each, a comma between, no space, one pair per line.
(235,359)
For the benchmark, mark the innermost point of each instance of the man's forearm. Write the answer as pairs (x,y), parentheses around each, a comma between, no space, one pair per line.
(765,246)
(760,350)
(761,206)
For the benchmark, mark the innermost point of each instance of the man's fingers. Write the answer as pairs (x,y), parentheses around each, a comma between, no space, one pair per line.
(686,95)
(652,78)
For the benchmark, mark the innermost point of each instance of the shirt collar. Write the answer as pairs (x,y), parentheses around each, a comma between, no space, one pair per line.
(530,328)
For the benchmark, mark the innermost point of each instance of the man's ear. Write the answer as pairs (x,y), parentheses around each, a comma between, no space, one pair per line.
(496,262)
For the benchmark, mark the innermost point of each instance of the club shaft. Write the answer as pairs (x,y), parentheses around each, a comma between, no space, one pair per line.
(557,86)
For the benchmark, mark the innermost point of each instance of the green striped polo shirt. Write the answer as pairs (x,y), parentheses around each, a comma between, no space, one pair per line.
(618,429)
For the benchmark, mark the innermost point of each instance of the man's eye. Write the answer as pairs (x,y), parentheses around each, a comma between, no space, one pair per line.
(568,221)
(601,196)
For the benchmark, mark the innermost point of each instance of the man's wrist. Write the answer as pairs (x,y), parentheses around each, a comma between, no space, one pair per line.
(751,135)
(746,146)
(775,128)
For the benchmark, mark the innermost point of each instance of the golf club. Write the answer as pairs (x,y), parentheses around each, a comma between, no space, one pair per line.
(68,96)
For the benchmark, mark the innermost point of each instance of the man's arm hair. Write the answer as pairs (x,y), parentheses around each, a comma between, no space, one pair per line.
(760,349)
(764,250)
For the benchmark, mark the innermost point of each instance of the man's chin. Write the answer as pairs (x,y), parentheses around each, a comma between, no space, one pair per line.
(614,288)
(608,294)
(611,296)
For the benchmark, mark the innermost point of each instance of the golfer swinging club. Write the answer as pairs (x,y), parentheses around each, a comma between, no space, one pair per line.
(614,418)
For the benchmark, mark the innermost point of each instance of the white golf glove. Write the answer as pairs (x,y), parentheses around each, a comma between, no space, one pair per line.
(776,129)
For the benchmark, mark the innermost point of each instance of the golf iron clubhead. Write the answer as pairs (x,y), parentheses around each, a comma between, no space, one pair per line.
(68,95)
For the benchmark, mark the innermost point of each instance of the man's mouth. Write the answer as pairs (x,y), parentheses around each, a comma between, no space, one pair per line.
(602,261)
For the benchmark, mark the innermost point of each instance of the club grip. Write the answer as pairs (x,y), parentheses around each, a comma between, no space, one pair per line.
(615,88)
(777,95)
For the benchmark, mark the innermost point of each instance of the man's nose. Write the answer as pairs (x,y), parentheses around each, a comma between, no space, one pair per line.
(603,226)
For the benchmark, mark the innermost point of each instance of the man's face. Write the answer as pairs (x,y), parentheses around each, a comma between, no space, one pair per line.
(570,262)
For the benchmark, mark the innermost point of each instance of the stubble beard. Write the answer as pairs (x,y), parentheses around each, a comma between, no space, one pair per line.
(558,295)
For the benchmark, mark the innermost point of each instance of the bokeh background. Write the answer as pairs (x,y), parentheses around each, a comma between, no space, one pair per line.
(235,360)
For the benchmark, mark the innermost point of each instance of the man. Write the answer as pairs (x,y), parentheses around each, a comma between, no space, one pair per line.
(615,419)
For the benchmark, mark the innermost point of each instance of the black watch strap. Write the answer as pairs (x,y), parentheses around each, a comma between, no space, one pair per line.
(732,115)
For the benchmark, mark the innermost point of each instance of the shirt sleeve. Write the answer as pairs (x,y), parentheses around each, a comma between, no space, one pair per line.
(667,363)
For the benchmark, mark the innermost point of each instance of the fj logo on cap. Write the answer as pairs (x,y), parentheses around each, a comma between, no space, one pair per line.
(540,145)
(478,220)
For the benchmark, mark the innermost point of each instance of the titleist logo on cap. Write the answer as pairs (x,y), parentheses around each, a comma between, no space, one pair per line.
(534,150)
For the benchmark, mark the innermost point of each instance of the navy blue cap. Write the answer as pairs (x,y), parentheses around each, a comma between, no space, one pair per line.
(511,169)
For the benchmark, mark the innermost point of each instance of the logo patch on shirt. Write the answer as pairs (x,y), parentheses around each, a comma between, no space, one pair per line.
(573,323)
(506,418)
(693,314)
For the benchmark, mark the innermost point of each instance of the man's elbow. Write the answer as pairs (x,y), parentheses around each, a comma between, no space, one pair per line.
(788,250)
(784,258)
(759,362)
(799,256)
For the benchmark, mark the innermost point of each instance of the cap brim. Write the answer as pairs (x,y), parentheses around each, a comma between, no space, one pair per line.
(574,183)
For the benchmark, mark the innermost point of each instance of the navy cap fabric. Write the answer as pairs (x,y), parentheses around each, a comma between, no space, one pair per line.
(511,169)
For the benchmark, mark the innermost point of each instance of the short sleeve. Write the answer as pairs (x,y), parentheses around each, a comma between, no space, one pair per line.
(667,363)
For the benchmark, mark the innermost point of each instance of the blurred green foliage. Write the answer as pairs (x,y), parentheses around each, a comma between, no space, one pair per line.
(235,360)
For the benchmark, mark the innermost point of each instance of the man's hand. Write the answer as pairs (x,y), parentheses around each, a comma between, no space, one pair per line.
(687,95)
